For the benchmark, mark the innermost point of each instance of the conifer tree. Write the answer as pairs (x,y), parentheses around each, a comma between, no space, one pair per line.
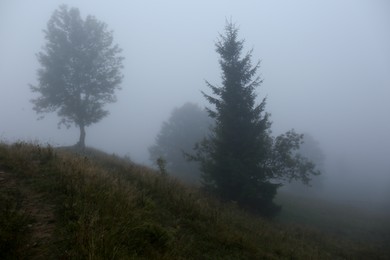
(240,160)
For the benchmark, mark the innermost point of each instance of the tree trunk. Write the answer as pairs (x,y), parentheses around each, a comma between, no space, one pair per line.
(81,143)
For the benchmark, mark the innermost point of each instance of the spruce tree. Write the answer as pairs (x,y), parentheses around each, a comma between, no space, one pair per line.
(240,159)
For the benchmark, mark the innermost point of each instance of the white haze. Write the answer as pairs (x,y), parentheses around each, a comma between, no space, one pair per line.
(325,65)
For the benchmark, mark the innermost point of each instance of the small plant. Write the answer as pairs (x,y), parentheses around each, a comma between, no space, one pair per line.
(161,163)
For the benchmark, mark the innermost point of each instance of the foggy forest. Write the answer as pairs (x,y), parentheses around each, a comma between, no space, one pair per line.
(323,71)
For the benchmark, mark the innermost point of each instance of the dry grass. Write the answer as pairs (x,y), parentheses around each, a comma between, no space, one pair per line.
(109,208)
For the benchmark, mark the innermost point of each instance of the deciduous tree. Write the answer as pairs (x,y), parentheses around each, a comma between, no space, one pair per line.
(186,126)
(80,70)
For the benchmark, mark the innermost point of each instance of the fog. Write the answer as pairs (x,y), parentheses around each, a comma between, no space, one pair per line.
(325,65)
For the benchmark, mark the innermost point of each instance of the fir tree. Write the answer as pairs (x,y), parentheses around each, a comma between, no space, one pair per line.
(240,159)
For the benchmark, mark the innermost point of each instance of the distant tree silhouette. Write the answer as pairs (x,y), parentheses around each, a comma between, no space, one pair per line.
(240,160)
(310,148)
(80,70)
(186,126)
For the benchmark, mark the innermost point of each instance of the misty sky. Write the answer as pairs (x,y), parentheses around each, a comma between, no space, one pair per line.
(325,65)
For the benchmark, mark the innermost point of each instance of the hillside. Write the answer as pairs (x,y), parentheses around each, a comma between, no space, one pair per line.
(60,204)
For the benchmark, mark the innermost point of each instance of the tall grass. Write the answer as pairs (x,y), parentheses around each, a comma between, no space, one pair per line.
(14,231)
(109,208)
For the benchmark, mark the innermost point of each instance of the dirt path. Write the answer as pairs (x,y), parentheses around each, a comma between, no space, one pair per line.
(41,213)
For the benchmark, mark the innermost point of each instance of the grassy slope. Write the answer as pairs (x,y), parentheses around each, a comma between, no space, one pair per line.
(336,219)
(105,207)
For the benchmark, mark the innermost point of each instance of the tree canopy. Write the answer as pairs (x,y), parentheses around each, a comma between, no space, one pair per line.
(80,70)
(240,159)
(310,149)
(186,126)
